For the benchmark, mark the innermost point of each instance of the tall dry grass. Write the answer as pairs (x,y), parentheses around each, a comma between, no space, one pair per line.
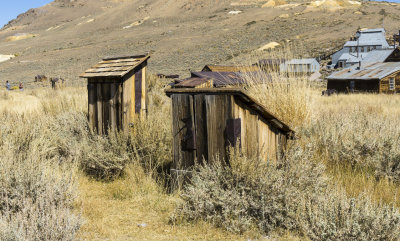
(354,136)
(337,182)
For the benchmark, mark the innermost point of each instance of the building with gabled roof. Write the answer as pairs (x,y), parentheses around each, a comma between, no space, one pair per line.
(116,92)
(309,65)
(358,48)
(381,77)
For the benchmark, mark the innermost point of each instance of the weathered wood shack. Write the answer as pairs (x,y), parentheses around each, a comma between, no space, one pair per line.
(374,77)
(116,92)
(270,65)
(207,121)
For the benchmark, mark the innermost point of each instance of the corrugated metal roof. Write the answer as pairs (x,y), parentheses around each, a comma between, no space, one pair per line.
(230,68)
(367,71)
(378,55)
(115,66)
(222,78)
(191,82)
(369,37)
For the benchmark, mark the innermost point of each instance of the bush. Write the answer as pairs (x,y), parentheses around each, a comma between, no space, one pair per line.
(251,193)
(36,193)
(337,217)
(356,139)
(291,195)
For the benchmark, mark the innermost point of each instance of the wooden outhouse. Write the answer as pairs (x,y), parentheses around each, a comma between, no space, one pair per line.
(207,121)
(116,92)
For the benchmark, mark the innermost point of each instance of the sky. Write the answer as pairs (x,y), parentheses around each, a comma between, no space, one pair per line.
(10,9)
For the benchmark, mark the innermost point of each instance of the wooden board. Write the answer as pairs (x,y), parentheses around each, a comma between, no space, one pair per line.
(99,109)
(106,106)
(138,91)
(182,111)
(113,106)
(200,121)
(127,103)
(218,111)
(144,93)
(92,105)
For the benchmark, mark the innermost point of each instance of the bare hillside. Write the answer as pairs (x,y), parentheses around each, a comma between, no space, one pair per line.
(65,37)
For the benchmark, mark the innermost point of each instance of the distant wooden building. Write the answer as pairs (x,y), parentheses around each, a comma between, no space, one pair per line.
(207,121)
(230,68)
(373,77)
(116,92)
(300,66)
(270,65)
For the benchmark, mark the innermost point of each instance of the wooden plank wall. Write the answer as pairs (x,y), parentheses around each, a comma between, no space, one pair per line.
(105,105)
(201,128)
(384,83)
(183,116)
(218,112)
(206,118)
(258,136)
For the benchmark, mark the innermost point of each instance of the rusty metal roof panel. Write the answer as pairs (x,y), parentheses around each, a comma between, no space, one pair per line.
(368,72)
(221,78)
(230,68)
(191,82)
(115,66)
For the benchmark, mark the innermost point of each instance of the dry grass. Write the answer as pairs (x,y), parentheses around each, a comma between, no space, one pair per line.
(136,208)
(116,209)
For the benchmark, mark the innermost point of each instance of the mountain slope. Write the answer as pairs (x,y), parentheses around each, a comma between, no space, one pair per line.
(65,37)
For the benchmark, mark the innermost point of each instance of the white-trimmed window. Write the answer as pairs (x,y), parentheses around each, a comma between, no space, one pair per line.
(392,83)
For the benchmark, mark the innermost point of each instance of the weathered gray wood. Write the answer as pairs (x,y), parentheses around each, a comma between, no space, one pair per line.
(239,93)
(200,128)
(127,103)
(106,106)
(113,106)
(99,109)
(182,111)
(92,101)
(120,107)
(218,111)
(251,130)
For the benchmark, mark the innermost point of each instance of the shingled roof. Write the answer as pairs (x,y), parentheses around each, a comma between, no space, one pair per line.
(115,66)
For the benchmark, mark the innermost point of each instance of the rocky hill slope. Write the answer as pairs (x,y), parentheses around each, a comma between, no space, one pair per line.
(65,37)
